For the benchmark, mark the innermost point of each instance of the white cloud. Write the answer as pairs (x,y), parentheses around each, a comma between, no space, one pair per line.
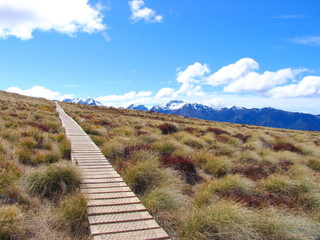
(20,18)
(39,91)
(125,97)
(139,12)
(309,86)
(215,102)
(309,40)
(233,72)
(193,73)
(259,83)
(165,92)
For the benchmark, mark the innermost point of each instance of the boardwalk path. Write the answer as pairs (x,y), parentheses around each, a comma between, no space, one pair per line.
(114,211)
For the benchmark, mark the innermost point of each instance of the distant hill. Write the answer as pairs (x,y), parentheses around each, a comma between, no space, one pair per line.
(268,117)
(138,107)
(88,101)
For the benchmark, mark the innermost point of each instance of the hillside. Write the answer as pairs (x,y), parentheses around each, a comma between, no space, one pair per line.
(235,181)
(38,184)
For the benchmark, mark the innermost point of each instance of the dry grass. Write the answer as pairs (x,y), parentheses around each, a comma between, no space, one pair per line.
(31,137)
(229,179)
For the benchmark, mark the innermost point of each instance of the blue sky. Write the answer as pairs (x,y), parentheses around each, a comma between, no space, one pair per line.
(217,52)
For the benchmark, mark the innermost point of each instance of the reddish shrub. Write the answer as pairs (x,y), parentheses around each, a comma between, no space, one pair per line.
(168,128)
(129,149)
(242,137)
(222,139)
(41,127)
(142,133)
(242,197)
(180,163)
(216,131)
(258,171)
(183,164)
(190,129)
(286,147)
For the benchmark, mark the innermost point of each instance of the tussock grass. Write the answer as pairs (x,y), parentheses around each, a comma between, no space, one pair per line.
(252,173)
(73,214)
(207,192)
(144,175)
(11,223)
(54,181)
(221,220)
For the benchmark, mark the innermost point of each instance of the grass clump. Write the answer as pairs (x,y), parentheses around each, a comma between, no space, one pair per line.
(143,176)
(164,147)
(73,214)
(11,222)
(283,184)
(54,181)
(273,224)
(168,128)
(223,220)
(207,191)
(163,199)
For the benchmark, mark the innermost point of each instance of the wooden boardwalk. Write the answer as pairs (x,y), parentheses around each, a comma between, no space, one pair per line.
(114,211)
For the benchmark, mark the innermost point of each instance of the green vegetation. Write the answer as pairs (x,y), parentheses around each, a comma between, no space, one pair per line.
(34,172)
(210,180)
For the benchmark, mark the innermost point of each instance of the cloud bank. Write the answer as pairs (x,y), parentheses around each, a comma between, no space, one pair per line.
(140,12)
(39,91)
(21,18)
(238,84)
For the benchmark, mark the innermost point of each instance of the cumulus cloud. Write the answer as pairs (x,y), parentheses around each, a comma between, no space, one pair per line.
(309,40)
(141,12)
(233,72)
(165,92)
(309,86)
(20,18)
(260,83)
(125,97)
(39,91)
(193,73)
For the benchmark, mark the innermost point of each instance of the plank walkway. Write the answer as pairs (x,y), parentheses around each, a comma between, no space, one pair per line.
(114,211)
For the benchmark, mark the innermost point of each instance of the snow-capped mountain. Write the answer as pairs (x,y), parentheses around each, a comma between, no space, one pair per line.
(268,117)
(88,101)
(168,107)
(138,107)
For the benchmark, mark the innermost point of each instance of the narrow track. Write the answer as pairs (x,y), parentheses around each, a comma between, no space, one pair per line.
(114,211)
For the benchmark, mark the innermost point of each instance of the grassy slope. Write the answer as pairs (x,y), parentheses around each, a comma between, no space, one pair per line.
(33,160)
(209,180)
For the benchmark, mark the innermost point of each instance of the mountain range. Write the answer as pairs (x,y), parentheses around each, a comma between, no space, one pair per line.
(267,117)
(88,101)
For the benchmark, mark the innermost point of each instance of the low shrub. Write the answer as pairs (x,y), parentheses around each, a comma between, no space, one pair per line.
(164,147)
(282,146)
(314,164)
(11,223)
(73,214)
(223,220)
(65,149)
(54,181)
(206,192)
(168,128)
(283,184)
(143,176)
(46,157)
(216,131)
(28,142)
(274,224)
(24,155)
(163,199)
(218,166)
